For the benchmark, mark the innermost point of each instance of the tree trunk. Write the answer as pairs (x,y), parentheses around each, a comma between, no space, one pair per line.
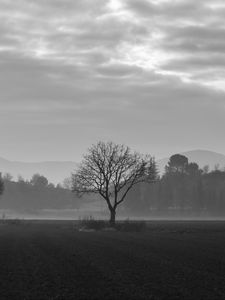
(112,220)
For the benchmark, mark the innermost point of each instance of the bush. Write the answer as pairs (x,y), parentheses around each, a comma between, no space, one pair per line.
(12,221)
(131,226)
(92,224)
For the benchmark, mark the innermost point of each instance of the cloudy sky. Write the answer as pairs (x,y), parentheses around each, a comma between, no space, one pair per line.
(147,73)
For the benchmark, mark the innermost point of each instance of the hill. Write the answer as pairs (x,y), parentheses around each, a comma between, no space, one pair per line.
(55,171)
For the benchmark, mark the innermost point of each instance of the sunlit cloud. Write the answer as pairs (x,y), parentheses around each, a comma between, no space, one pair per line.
(141,62)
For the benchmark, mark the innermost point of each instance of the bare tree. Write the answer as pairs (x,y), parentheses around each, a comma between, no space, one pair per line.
(112,170)
(67,183)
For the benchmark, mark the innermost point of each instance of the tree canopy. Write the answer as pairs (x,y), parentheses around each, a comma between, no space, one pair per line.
(177,163)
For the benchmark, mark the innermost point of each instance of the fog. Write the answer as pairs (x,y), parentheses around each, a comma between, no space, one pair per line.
(183,192)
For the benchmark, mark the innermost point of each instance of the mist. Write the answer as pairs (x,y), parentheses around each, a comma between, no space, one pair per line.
(183,191)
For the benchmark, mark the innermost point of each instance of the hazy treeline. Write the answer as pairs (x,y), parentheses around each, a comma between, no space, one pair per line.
(184,189)
(35,194)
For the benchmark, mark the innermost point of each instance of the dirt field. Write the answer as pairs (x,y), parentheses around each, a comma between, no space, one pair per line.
(172,260)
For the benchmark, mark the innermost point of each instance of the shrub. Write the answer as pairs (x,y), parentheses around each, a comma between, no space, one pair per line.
(12,221)
(131,226)
(91,223)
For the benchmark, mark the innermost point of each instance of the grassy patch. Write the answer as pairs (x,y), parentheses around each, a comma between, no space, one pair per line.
(90,224)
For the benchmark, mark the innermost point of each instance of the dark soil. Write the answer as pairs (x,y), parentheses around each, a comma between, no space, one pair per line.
(171,260)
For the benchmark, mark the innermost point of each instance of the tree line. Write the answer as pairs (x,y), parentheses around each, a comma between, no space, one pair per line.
(126,179)
(116,173)
(34,194)
(183,189)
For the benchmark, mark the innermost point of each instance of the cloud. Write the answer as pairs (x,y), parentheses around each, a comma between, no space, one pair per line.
(112,69)
(188,35)
(178,9)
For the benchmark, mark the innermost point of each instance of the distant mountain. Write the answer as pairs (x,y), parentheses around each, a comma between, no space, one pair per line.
(201,157)
(55,171)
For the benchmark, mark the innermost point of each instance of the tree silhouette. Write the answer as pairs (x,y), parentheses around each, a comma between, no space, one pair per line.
(177,164)
(112,170)
(39,180)
(1,184)
(7,177)
(176,175)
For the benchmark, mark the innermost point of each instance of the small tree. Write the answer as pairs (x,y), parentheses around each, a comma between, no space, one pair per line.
(39,180)
(2,186)
(112,170)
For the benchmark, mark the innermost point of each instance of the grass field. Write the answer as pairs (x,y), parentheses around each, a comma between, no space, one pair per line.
(171,260)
